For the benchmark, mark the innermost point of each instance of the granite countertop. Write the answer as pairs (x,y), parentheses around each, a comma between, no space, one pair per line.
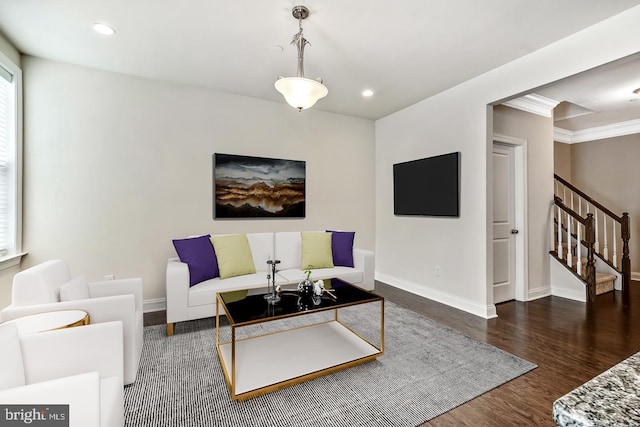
(610,399)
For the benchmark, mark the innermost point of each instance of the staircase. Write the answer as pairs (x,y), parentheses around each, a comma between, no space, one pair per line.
(605,282)
(587,236)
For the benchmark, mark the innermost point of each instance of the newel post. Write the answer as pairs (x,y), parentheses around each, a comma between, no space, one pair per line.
(590,237)
(625,233)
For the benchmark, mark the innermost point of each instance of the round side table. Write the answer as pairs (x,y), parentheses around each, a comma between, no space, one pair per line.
(50,320)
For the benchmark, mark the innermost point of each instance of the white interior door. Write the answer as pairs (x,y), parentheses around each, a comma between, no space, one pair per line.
(504,231)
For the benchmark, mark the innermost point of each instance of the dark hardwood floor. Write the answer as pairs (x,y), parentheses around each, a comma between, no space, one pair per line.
(570,344)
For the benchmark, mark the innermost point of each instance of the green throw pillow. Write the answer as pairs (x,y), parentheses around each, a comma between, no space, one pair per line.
(316,250)
(234,255)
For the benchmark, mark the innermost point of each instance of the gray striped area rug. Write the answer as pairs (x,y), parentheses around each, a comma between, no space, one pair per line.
(426,370)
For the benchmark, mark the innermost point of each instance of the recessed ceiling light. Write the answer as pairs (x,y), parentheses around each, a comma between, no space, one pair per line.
(367,93)
(103,29)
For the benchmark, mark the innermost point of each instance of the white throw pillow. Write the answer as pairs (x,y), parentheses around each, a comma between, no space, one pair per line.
(10,357)
(74,289)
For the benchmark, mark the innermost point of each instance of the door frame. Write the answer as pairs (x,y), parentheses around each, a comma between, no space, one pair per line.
(519,147)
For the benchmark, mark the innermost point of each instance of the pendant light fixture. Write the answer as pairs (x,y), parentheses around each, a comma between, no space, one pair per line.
(299,91)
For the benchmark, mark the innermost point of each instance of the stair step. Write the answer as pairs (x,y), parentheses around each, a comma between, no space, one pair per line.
(603,277)
(604,282)
(584,265)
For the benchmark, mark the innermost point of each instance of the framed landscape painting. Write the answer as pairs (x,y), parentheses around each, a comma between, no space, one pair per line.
(258,187)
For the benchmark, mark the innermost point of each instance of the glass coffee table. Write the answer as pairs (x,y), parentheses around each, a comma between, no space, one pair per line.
(315,341)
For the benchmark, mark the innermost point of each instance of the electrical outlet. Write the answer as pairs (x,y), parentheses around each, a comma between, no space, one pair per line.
(437,271)
(110,277)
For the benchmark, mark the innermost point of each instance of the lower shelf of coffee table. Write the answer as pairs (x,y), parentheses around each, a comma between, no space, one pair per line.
(270,362)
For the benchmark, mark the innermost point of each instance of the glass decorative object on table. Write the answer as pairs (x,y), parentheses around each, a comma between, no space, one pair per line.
(309,292)
(306,288)
(272,296)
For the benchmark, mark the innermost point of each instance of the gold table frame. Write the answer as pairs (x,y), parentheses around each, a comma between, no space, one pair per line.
(230,371)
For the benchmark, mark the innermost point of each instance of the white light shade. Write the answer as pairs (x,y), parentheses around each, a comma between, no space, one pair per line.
(103,29)
(300,92)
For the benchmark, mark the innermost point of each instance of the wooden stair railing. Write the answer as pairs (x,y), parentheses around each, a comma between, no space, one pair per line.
(588,239)
(568,193)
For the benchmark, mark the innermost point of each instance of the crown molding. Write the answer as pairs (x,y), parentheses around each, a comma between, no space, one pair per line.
(562,135)
(600,132)
(543,106)
(533,103)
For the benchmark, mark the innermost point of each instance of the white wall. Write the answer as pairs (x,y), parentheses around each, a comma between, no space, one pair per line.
(9,51)
(116,166)
(607,170)
(408,249)
(538,132)
(562,159)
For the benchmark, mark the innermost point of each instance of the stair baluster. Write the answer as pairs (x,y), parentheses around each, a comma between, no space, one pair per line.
(579,205)
(597,243)
(591,262)
(605,251)
(579,250)
(615,253)
(569,254)
(559,233)
(573,230)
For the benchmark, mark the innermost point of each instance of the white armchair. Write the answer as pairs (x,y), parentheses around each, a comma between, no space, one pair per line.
(49,287)
(80,367)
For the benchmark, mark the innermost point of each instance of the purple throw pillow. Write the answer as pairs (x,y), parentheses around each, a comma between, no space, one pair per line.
(342,247)
(198,254)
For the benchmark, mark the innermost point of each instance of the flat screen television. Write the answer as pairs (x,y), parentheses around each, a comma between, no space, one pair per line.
(429,187)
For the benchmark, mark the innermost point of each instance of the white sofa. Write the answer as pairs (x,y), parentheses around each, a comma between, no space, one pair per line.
(38,289)
(80,367)
(198,301)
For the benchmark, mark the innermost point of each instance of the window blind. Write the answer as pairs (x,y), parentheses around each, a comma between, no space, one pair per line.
(6,114)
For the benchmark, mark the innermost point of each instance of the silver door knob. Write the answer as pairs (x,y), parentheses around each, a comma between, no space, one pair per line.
(514,231)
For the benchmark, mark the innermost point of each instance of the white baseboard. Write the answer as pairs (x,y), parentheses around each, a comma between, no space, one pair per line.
(540,292)
(488,312)
(569,294)
(157,304)
(484,311)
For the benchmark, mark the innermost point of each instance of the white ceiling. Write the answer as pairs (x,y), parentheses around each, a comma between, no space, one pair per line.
(605,93)
(405,50)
